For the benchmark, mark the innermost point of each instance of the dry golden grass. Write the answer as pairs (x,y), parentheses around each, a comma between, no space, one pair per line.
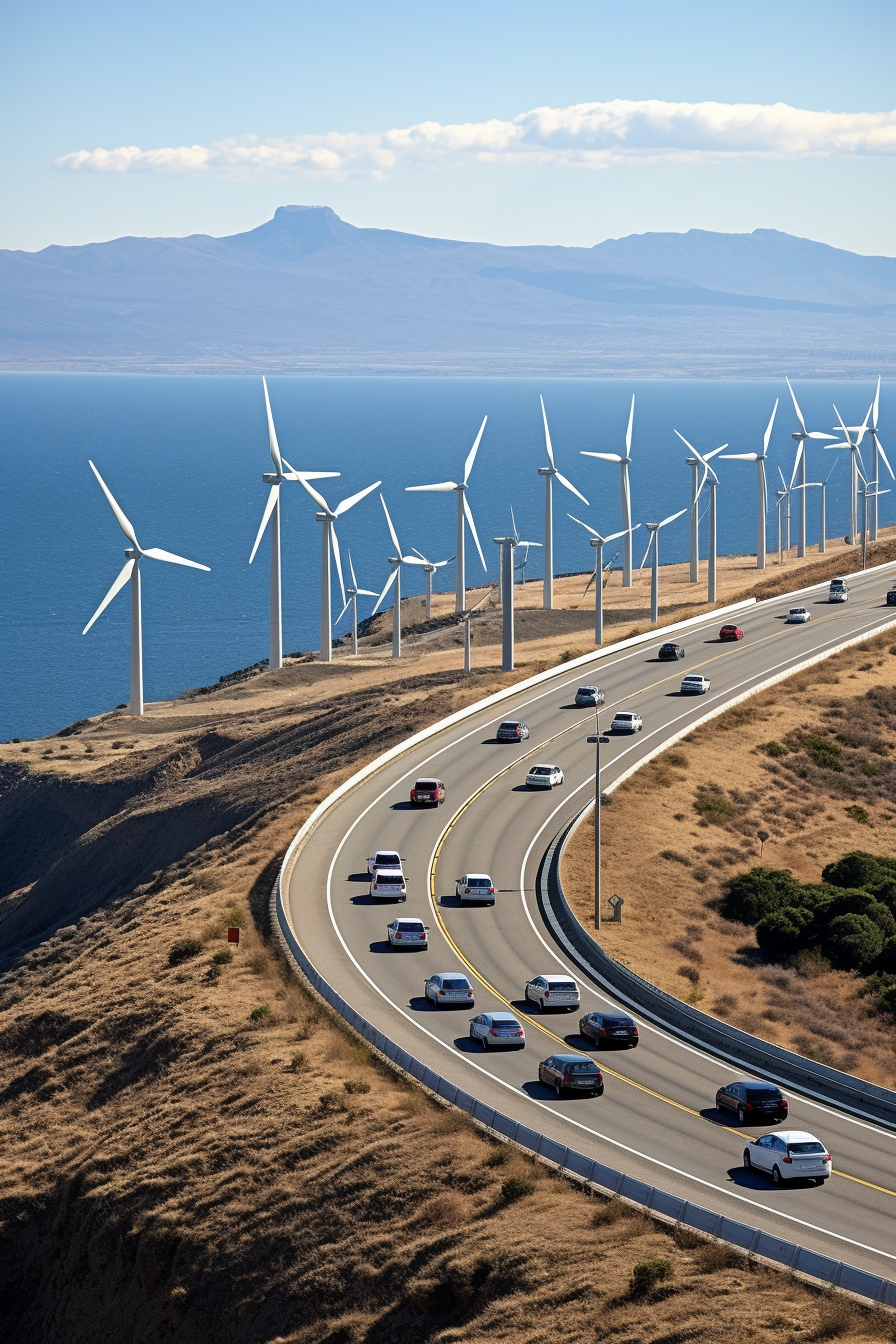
(672,933)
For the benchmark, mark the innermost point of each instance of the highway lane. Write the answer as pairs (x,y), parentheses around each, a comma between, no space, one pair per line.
(655,1118)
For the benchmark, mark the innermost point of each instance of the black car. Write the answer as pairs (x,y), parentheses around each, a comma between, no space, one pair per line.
(571,1073)
(511,731)
(671,651)
(752,1101)
(606,1029)
(589,697)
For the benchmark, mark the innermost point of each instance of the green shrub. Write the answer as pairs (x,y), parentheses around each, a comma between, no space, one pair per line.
(823,752)
(747,897)
(183,949)
(223,958)
(853,942)
(713,807)
(780,933)
(863,903)
(855,869)
(774,749)
(857,813)
(513,1188)
(356,1085)
(647,1274)
(260,1014)
(886,1000)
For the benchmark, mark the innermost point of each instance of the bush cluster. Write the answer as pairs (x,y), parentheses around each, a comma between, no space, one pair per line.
(849,917)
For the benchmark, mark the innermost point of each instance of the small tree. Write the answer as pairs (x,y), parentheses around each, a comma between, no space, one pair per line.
(749,896)
(852,942)
(783,932)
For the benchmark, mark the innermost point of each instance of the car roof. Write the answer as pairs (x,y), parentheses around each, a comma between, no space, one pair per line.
(574,1059)
(385,851)
(408,919)
(587,688)
(427,779)
(753,1085)
(624,714)
(390,870)
(613,1017)
(558,979)
(543,765)
(501,1017)
(485,876)
(796,1136)
(456,975)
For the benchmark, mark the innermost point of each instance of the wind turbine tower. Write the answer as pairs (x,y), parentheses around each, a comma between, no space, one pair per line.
(801,436)
(463,512)
(131,572)
(549,472)
(330,546)
(625,484)
(695,463)
(762,486)
(654,530)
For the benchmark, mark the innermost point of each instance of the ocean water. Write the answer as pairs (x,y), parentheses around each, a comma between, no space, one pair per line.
(184,457)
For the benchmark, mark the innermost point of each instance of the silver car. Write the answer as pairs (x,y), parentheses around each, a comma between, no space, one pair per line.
(408,933)
(449,989)
(694,684)
(388,884)
(497,1029)
(553,991)
(789,1155)
(476,887)
(544,777)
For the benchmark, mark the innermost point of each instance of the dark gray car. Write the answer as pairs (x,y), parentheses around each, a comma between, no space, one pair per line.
(589,697)
(511,731)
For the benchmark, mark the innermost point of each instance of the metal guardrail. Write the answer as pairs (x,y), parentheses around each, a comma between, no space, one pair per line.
(818,1081)
(751,1240)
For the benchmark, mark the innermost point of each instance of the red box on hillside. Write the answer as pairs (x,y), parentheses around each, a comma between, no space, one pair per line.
(233,935)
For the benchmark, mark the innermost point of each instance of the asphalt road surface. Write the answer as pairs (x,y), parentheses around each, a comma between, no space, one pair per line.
(656,1119)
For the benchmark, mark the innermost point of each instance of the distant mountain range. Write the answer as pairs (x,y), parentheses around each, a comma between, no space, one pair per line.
(308,293)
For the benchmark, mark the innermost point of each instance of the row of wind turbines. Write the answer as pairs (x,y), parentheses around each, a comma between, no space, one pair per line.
(702,474)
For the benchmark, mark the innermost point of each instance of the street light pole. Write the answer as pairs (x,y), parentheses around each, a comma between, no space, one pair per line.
(507,650)
(598,544)
(598,739)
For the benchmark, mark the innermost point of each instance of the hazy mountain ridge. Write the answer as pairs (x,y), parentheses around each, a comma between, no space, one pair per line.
(306,291)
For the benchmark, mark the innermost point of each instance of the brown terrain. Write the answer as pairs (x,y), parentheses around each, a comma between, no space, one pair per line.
(195,1149)
(697,810)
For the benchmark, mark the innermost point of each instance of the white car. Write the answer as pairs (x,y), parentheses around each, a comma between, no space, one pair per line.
(384,858)
(838,591)
(798,616)
(475,887)
(544,777)
(388,884)
(694,684)
(412,933)
(497,1029)
(624,722)
(789,1155)
(553,991)
(449,989)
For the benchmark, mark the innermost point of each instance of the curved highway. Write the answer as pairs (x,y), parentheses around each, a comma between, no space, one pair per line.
(655,1119)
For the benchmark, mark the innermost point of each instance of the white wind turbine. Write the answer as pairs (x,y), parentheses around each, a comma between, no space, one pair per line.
(351,600)
(524,558)
(710,475)
(624,463)
(463,511)
(695,463)
(782,503)
(654,530)
(877,455)
(549,472)
(822,520)
(801,438)
(760,459)
(597,578)
(131,571)
(856,468)
(330,546)
(429,568)
(275,479)
(396,561)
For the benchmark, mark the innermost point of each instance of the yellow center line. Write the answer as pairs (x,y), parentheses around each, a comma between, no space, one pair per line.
(540,1026)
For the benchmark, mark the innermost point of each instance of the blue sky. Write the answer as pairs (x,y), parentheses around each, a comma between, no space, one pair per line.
(328,92)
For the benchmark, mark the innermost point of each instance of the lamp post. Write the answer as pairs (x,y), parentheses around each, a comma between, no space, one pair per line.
(599,739)
(507,545)
(598,544)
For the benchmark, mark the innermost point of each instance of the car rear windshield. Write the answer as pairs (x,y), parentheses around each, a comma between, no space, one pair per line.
(411,926)
(427,784)
(389,879)
(763,1093)
(585,1067)
(801,1148)
(388,858)
(586,690)
(625,716)
(478,882)
(562,988)
(510,727)
(539,770)
(454,982)
(506,1023)
(618,1022)
(670,648)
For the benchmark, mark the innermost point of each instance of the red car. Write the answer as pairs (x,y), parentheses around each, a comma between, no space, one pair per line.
(731,632)
(427,793)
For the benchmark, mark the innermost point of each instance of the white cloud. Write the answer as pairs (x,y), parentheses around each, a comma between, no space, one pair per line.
(586,135)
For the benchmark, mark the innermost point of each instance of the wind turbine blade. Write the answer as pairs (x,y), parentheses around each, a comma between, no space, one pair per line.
(604,457)
(421,555)
(829,446)
(516,535)
(291,474)
(671,518)
(690,446)
(768,429)
(739,457)
(364,592)
(832,470)
(155,553)
(272,433)
(273,496)
(344,610)
(863,428)
(702,482)
(628,432)
(442,485)
(783,482)
(883,457)
(647,552)
(875,406)
(614,536)
(117,586)
(796,465)
(352,500)
(569,485)
(439,564)
(471,455)
(799,414)
(338,558)
(123,521)
(315,495)
(351,570)
(842,426)
(588,584)
(468,513)
(392,533)
(817,434)
(586,527)
(547,433)
(707,457)
(389,583)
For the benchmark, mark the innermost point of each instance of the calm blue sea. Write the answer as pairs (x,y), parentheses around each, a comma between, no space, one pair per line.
(184,457)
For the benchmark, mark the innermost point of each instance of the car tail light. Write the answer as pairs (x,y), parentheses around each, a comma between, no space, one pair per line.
(788,1159)
(491,891)
(397,936)
(547,994)
(634,1031)
(441,993)
(469,993)
(602,1032)
(827,1157)
(466,891)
